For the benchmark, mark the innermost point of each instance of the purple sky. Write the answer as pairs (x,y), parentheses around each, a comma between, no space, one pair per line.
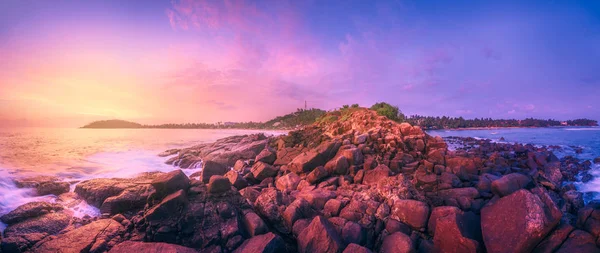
(208,61)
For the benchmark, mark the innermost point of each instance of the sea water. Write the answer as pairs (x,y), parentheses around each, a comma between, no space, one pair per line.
(74,155)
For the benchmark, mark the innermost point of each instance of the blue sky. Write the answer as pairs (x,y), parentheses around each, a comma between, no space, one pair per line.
(252,60)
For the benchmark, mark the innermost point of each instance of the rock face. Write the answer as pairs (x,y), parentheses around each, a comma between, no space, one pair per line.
(93,237)
(518,222)
(150,247)
(320,236)
(267,243)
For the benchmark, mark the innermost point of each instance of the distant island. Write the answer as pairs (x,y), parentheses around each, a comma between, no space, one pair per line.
(304,117)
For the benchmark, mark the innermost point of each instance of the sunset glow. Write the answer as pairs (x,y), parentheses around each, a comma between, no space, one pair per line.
(69,62)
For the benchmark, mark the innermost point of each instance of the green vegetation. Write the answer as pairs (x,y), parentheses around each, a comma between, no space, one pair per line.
(113,123)
(390,111)
(460,122)
(303,117)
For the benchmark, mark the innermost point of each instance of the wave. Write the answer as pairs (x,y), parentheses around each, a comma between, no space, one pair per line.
(583,129)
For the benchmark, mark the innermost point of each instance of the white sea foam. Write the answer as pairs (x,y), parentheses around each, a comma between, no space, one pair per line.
(583,129)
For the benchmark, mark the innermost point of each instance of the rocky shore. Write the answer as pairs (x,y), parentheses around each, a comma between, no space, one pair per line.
(361,183)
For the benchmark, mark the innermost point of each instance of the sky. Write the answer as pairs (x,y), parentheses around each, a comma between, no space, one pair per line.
(65,63)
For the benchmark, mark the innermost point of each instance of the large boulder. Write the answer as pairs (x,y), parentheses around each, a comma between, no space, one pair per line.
(236,179)
(411,212)
(579,241)
(518,222)
(267,243)
(288,182)
(212,168)
(306,162)
(30,210)
(509,183)
(355,248)
(374,176)
(129,199)
(397,243)
(150,247)
(266,156)
(218,184)
(458,232)
(22,235)
(254,225)
(44,185)
(338,165)
(168,183)
(316,175)
(93,237)
(262,170)
(320,237)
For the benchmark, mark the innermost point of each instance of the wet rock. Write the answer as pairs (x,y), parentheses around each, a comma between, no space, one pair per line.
(150,247)
(96,191)
(376,175)
(320,237)
(93,237)
(287,182)
(266,156)
(44,185)
(129,199)
(211,168)
(509,183)
(30,210)
(518,222)
(218,184)
(262,170)
(411,212)
(267,243)
(397,243)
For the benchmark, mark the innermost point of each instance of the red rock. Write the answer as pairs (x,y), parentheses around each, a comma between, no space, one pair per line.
(397,243)
(218,184)
(317,198)
(267,243)
(579,241)
(458,233)
(262,170)
(236,179)
(553,241)
(411,212)
(320,237)
(338,165)
(299,209)
(355,248)
(287,182)
(254,225)
(150,247)
(439,212)
(374,176)
(318,174)
(332,208)
(93,237)
(518,222)
(266,156)
(210,168)
(30,210)
(509,183)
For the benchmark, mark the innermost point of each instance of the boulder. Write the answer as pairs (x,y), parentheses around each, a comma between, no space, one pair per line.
(374,176)
(170,206)
(288,182)
(267,243)
(262,170)
(597,160)
(509,183)
(579,241)
(553,241)
(236,179)
(318,174)
(129,199)
(266,156)
(397,243)
(269,205)
(320,237)
(458,232)
(439,212)
(30,210)
(96,191)
(355,248)
(353,155)
(50,223)
(518,222)
(150,247)
(332,208)
(338,165)
(93,237)
(254,225)
(44,185)
(299,209)
(211,168)
(306,162)
(168,183)
(317,198)
(411,212)
(219,184)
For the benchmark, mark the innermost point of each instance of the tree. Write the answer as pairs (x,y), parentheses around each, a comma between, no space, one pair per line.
(390,111)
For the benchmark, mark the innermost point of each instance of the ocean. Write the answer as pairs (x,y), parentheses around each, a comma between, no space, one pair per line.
(80,154)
